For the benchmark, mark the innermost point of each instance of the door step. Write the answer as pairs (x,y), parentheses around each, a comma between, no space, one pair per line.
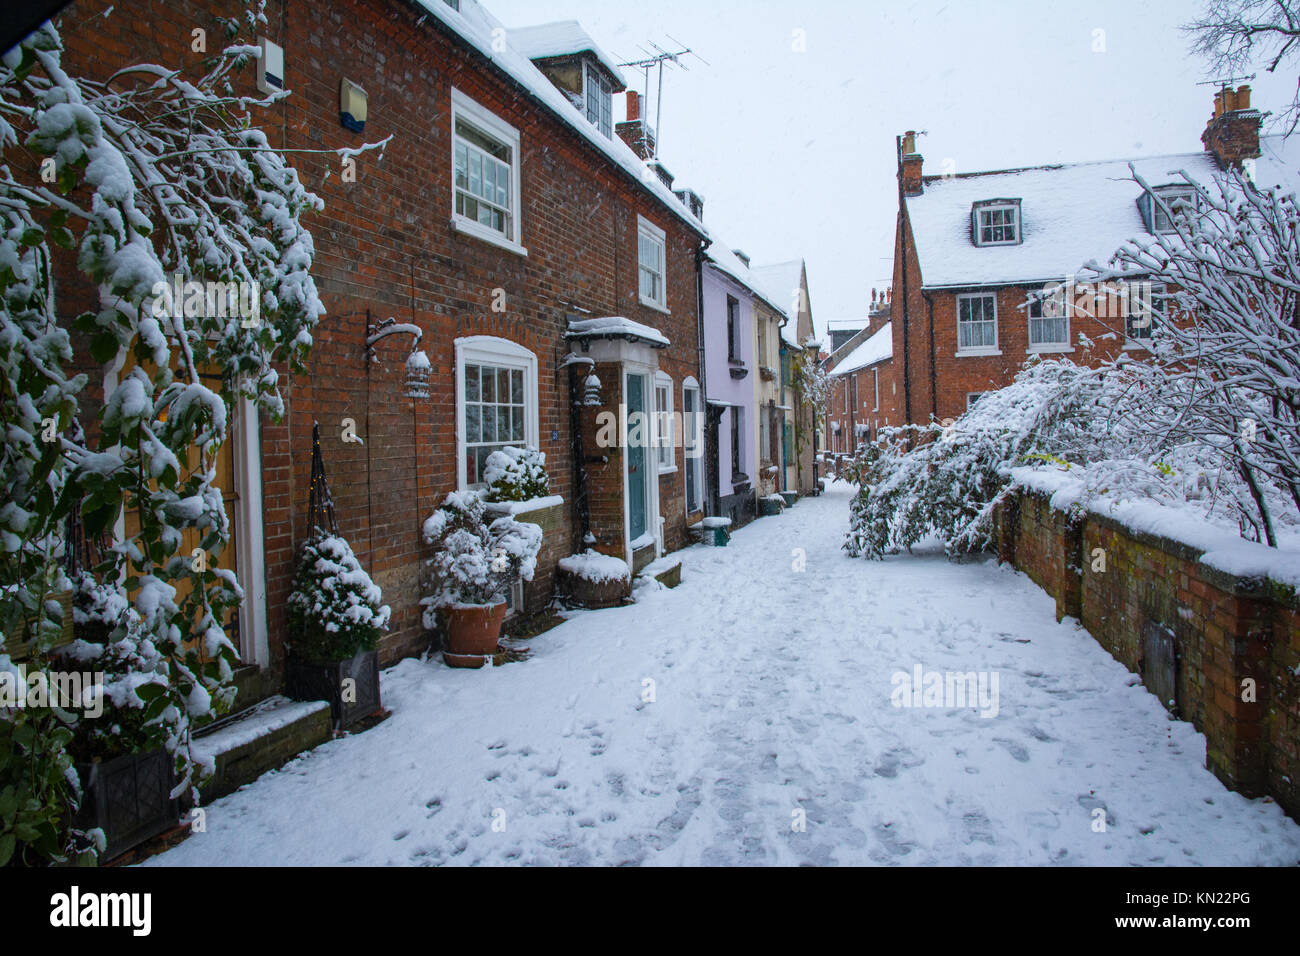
(263,737)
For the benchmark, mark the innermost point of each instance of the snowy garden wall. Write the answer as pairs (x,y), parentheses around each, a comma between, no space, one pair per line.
(1129,587)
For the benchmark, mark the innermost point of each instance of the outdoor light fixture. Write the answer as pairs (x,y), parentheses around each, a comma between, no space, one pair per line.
(352,106)
(417,364)
(591,391)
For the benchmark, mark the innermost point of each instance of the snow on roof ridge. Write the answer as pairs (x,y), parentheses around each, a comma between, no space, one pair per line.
(877,348)
(722,256)
(561,38)
(475,24)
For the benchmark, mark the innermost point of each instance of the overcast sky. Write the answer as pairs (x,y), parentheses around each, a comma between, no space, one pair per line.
(794,151)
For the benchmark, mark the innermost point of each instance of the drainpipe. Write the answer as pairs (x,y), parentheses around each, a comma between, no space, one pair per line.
(710,482)
(934,387)
(902,234)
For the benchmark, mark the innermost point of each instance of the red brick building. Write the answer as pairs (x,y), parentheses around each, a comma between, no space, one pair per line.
(507,225)
(974,252)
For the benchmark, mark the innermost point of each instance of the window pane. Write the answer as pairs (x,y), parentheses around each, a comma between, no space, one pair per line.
(517,424)
(503,423)
(489,425)
(517,387)
(473,429)
(489,385)
(471,383)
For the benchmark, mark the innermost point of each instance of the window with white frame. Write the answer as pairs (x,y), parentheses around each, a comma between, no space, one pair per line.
(651,243)
(875,377)
(1146,302)
(692,445)
(599,96)
(485,172)
(977,322)
(996,223)
(1049,322)
(497,399)
(972,398)
(1180,201)
(664,435)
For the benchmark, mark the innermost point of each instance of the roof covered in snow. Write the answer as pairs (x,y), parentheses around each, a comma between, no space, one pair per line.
(783,282)
(730,264)
(875,349)
(847,325)
(475,26)
(616,327)
(562,38)
(1071,214)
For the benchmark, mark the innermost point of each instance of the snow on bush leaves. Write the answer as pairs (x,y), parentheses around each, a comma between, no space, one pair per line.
(334,608)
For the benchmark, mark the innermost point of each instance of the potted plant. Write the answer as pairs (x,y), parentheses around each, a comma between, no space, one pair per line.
(335,620)
(122,721)
(516,474)
(472,568)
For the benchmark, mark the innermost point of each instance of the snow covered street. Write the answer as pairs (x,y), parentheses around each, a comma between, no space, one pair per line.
(694,727)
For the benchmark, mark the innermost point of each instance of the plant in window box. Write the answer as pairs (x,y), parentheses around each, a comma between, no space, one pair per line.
(472,568)
(516,474)
(335,620)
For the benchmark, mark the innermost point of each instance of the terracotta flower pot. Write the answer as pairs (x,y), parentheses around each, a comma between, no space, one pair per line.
(474,630)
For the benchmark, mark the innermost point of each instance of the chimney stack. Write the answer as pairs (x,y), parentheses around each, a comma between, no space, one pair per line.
(636,132)
(1232,133)
(909,165)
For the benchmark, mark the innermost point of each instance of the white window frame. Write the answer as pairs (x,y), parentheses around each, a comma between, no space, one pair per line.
(1059,297)
(665,450)
(992,207)
(694,464)
(647,230)
(1159,293)
(1169,195)
(875,372)
(604,106)
(972,398)
(977,349)
(500,353)
(492,126)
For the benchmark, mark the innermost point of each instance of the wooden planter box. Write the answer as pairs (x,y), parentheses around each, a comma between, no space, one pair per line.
(313,680)
(129,797)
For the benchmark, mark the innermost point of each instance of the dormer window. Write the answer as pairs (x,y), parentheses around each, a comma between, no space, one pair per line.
(996,222)
(1180,201)
(599,97)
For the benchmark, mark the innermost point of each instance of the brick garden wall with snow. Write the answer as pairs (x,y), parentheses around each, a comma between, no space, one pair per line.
(1228,629)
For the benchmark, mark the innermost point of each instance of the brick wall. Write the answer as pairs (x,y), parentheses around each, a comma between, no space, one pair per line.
(1226,630)
(384,244)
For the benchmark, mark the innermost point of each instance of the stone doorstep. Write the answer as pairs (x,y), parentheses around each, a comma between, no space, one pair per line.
(264,737)
(667,571)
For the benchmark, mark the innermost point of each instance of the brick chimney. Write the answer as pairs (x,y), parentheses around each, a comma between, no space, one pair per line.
(1232,133)
(636,132)
(909,165)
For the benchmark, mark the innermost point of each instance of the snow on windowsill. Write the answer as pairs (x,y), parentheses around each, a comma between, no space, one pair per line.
(1049,349)
(978,353)
(523,507)
(651,304)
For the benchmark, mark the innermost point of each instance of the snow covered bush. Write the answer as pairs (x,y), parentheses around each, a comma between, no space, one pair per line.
(150,178)
(516,474)
(919,480)
(334,608)
(1224,369)
(1103,425)
(475,563)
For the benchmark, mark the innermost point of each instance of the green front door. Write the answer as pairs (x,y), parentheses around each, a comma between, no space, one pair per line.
(636,456)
